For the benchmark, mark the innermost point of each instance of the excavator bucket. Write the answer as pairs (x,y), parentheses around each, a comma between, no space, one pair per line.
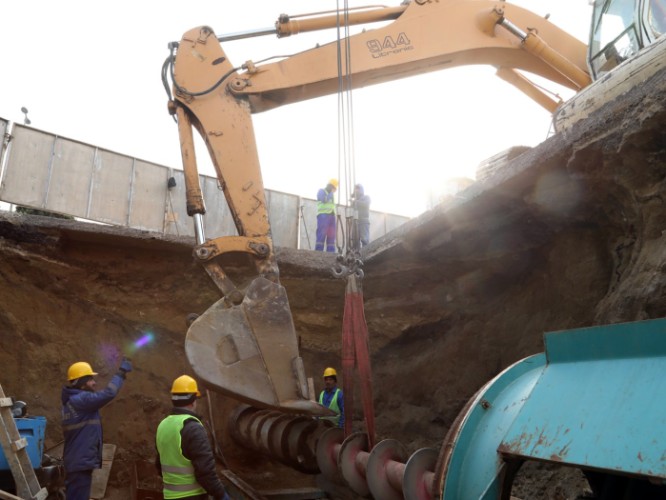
(250,352)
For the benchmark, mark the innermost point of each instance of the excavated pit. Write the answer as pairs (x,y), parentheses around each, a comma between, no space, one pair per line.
(569,234)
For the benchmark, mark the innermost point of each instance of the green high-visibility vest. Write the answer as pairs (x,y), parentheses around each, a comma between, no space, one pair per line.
(177,471)
(326,207)
(333,406)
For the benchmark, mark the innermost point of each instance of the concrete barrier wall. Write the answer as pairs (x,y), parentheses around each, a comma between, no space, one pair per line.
(4,142)
(53,173)
(3,130)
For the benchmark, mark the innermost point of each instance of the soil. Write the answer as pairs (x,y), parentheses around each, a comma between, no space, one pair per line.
(569,234)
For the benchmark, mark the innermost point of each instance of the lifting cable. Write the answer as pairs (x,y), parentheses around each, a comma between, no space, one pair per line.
(355,339)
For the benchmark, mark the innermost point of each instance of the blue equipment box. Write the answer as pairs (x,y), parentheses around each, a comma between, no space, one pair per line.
(33,430)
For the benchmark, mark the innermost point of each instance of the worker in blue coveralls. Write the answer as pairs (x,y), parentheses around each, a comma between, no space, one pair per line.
(82,424)
(326,227)
(331,397)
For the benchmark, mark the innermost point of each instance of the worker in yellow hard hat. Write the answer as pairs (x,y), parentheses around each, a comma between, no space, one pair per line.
(185,455)
(82,424)
(326,224)
(331,397)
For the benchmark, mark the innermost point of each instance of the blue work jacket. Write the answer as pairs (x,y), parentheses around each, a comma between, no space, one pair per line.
(82,425)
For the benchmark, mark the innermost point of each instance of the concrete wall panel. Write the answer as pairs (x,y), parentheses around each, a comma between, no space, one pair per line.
(147,194)
(54,173)
(25,179)
(4,125)
(392,222)
(109,201)
(283,216)
(218,220)
(69,177)
(308,218)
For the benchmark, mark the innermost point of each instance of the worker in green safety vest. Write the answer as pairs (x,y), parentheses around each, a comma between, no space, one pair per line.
(331,397)
(185,456)
(326,222)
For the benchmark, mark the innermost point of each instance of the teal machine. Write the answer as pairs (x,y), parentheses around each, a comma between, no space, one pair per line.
(594,400)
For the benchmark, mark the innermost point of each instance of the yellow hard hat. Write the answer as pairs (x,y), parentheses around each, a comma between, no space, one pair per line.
(78,370)
(330,372)
(334,183)
(185,385)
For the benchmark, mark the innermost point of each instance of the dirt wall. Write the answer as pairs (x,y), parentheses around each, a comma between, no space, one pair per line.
(569,234)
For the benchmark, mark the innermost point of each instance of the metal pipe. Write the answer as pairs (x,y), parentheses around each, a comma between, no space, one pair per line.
(394,474)
(512,28)
(240,35)
(199,229)
(361,462)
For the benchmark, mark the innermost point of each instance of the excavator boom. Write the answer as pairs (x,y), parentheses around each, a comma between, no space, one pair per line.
(246,344)
(427,36)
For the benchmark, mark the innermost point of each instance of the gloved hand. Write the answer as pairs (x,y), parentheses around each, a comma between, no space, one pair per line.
(125,366)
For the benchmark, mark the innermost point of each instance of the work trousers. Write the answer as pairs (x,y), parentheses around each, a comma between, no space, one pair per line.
(78,485)
(364,231)
(325,232)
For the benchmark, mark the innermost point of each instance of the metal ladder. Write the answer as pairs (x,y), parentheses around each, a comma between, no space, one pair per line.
(14,447)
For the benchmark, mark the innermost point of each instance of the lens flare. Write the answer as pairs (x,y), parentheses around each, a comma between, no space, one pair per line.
(144,340)
(141,342)
(110,354)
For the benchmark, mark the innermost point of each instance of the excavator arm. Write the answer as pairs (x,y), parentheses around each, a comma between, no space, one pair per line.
(246,345)
(425,36)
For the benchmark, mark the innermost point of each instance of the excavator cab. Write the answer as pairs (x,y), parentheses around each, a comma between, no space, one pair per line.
(620,29)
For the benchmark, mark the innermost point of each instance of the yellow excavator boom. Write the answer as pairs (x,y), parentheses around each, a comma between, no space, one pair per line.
(246,344)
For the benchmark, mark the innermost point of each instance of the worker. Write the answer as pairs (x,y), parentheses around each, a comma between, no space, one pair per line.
(361,204)
(326,227)
(82,424)
(185,456)
(331,397)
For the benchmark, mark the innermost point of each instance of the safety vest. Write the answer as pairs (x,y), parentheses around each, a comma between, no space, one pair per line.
(333,406)
(326,207)
(177,471)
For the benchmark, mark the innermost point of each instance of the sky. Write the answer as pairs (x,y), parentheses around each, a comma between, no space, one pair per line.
(90,71)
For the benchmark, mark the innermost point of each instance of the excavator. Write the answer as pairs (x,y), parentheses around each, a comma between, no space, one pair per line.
(245,345)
